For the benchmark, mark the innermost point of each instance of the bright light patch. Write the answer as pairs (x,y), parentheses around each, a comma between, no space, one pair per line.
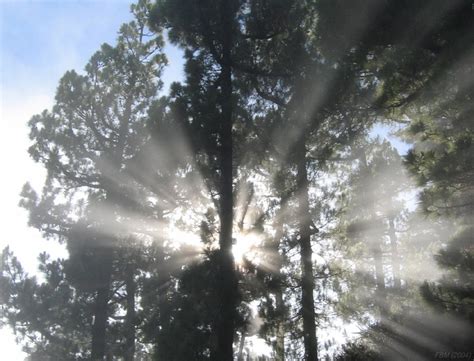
(246,247)
(258,347)
(179,238)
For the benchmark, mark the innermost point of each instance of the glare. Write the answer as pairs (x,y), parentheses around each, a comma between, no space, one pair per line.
(179,238)
(246,247)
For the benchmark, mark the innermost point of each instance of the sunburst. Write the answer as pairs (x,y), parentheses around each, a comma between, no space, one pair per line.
(247,247)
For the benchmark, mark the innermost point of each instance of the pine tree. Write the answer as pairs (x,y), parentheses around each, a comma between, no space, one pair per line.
(206,31)
(50,317)
(441,159)
(97,125)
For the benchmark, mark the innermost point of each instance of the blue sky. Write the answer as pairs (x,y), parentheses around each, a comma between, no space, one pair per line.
(39,41)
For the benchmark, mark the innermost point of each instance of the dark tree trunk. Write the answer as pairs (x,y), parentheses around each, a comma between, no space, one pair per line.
(307,282)
(279,302)
(101,308)
(227,283)
(164,280)
(280,336)
(395,255)
(130,317)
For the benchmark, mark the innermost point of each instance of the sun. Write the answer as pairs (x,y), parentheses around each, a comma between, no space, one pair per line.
(246,247)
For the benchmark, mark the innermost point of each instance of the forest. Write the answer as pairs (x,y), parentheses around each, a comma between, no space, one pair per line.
(260,208)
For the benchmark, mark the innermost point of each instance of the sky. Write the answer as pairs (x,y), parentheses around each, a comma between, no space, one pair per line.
(39,41)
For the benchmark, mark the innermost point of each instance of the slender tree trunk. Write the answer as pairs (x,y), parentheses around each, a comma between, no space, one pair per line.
(280,336)
(279,302)
(395,255)
(379,280)
(378,263)
(130,317)
(375,241)
(240,356)
(307,285)
(101,308)
(227,287)
(164,279)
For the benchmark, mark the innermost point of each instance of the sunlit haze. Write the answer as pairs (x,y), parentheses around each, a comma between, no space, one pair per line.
(236,180)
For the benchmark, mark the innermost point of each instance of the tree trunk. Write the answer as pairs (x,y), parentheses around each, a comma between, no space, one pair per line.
(130,288)
(395,255)
(101,308)
(280,336)
(375,241)
(380,296)
(279,302)
(240,356)
(227,283)
(307,285)
(378,263)
(163,278)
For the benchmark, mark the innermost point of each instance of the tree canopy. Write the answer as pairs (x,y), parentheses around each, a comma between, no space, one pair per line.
(257,209)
